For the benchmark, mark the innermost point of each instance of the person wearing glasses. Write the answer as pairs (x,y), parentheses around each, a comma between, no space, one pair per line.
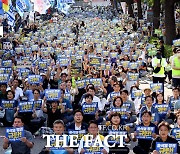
(93,130)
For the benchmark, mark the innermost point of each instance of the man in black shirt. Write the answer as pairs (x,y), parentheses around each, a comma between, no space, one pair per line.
(53,111)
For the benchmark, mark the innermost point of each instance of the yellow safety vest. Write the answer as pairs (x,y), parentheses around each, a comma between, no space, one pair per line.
(176,73)
(161,72)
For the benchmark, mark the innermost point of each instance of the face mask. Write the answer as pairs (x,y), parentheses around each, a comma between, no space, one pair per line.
(120,79)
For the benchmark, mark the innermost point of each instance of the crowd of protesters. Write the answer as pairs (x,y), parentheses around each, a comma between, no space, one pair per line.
(67,53)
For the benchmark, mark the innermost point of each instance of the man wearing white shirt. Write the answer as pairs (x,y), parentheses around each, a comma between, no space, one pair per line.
(18,91)
(93,130)
(91,91)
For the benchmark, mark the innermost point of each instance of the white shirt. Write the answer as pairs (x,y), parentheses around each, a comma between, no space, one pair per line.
(96,99)
(77,128)
(81,145)
(18,92)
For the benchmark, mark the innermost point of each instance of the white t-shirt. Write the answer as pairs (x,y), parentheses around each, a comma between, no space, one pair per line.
(18,93)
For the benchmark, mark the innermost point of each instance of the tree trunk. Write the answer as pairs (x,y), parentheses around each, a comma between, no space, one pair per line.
(170,27)
(156,13)
(140,16)
(130,10)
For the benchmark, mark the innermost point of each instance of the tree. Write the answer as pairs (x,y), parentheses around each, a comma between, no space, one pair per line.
(130,10)
(140,16)
(170,26)
(156,13)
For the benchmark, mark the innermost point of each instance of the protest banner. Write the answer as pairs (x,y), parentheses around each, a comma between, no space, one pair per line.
(37,104)
(176,42)
(89,109)
(136,93)
(42,65)
(52,94)
(176,133)
(133,76)
(121,111)
(133,65)
(26,106)
(162,147)
(92,148)
(63,62)
(14,134)
(95,61)
(4,78)
(7,104)
(81,84)
(6,63)
(80,133)
(96,82)
(156,87)
(116,132)
(24,73)
(34,79)
(145,132)
(162,108)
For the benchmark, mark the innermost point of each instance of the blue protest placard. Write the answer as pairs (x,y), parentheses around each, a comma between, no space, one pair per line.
(94,61)
(42,65)
(34,79)
(5,70)
(133,65)
(89,109)
(162,108)
(136,93)
(63,62)
(163,148)
(14,134)
(127,106)
(6,104)
(6,63)
(53,143)
(156,87)
(24,73)
(143,102)
(67,95)
(121,111)
(113,54)
(38,104)
(81,84)
(8,70)
(125,64)
(176,133)
(96,82)
(114,94)
(105,66)
(133,76)
(4,78)
(176,42)
(105,53)
(52,94)
(26,106)
(145,132)
(80,133)
(80,52)
(92,150)
(115,132)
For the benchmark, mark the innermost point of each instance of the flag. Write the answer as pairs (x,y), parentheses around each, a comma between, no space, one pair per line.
(20,7)
(1,8)
(63,7)
(11,16)
(41,6)
(5,5)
